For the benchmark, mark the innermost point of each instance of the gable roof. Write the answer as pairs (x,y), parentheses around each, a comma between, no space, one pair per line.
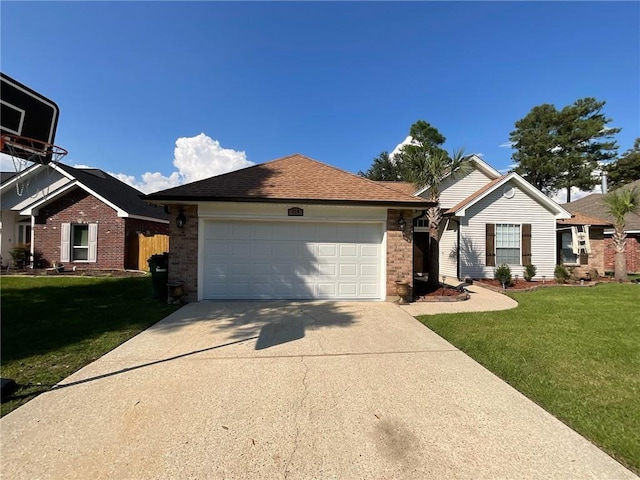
(459,210)
(478,164)
(123,198)
(294,178)
(593,206)
(114,191)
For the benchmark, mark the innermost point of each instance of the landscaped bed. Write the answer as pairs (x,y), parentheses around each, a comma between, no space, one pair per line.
(54,325)
(574,351)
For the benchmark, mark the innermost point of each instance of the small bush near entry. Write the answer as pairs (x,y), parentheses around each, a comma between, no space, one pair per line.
(561,274)
(530,272)
(503,275)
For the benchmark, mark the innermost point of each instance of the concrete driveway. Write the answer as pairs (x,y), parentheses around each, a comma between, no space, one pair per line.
(291,390)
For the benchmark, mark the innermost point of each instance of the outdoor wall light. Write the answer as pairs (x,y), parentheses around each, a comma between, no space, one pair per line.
(401,223)
(181,219)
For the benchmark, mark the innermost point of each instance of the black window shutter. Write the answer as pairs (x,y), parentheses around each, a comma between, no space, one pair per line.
(526,244)
(490,245)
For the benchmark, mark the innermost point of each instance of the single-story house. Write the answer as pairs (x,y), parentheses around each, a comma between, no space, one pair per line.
(581,243)
(593,206)
(76,217)
(297,228)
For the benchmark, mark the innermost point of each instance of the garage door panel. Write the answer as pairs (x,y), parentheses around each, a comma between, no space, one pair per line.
(291,260)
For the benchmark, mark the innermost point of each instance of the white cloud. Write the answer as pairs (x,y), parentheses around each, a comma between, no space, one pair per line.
(406,141)
(195,158)
(561,195)
(506,145)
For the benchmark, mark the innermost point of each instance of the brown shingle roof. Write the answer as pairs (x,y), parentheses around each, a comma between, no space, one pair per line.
(404,187)
(593,206)
(291,178)
(581,219)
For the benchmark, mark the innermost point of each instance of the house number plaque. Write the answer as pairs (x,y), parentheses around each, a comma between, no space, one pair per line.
(295,212)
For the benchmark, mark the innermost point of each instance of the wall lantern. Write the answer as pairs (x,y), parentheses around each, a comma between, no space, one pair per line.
(181,219)
(401,223)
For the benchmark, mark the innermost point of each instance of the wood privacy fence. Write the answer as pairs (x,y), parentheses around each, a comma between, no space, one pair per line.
(142,246)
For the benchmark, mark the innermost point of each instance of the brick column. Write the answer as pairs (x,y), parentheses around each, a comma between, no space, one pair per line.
(183,250)
(399,250)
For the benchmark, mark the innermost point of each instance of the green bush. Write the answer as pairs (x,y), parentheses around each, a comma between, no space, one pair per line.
(503,275)
(530,272)
(20,254)
(561,274)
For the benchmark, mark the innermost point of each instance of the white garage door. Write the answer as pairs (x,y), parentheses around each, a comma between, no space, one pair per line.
(261,260)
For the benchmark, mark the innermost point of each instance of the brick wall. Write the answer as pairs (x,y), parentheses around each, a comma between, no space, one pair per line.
(596,257)
(632,253)
(79,207)
(183,250)
(399,251)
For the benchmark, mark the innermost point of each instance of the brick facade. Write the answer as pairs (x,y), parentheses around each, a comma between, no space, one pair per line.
(632,253)
(183,250)
(399,250)
(80,207)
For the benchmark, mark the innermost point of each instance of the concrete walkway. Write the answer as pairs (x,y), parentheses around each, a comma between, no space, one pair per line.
(480,300)
(291,390)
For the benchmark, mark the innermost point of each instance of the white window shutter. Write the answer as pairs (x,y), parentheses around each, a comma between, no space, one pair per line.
(65,242)
(93,242)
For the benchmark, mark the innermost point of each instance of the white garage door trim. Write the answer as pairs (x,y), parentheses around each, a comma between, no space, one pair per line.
(256,259)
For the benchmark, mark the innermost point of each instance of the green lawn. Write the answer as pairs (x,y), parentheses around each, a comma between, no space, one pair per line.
(574,351)
(53,326)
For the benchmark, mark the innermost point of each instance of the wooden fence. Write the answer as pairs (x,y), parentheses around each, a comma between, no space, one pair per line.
(142,246)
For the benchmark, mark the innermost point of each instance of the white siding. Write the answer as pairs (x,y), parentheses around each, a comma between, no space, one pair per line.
(452,193)
(495,208)
(448,249)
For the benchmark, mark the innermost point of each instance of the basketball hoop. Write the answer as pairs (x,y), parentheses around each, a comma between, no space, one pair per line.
(25,151)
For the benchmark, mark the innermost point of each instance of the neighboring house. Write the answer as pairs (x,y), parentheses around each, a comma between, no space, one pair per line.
(593,206)
(297,228)
(77,217)
(581,242)
(490,219)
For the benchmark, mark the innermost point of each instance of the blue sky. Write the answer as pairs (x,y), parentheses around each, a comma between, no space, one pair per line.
(137,83)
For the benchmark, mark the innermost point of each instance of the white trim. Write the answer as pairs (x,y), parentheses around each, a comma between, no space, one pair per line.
(524,185)
(149,219)
(18,176)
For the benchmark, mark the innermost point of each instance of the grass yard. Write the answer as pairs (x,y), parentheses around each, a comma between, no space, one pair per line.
(574,351)
(53,326)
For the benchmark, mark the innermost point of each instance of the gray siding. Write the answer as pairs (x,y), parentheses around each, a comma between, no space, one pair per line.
(495,208)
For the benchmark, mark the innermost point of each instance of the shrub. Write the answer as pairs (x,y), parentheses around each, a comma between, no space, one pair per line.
(503,275)
(561,274)
(20,254)
(530,272)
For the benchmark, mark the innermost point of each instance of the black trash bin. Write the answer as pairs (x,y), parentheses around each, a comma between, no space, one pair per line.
(159,267)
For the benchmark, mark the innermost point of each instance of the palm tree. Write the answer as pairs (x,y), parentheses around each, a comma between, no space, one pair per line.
(619,203)
(427,167)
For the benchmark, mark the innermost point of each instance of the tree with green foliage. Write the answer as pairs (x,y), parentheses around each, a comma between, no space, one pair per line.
(626,169)
(560,149)
(426,164)
(383,169)
(619,203)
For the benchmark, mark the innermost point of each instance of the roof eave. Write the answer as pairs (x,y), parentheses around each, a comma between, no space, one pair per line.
(308,201)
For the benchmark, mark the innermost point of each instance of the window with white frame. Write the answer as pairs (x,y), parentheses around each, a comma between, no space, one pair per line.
(568,257)
(79,242)
(507,244)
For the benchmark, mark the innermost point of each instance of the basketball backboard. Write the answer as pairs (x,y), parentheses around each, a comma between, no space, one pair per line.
(28,121)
